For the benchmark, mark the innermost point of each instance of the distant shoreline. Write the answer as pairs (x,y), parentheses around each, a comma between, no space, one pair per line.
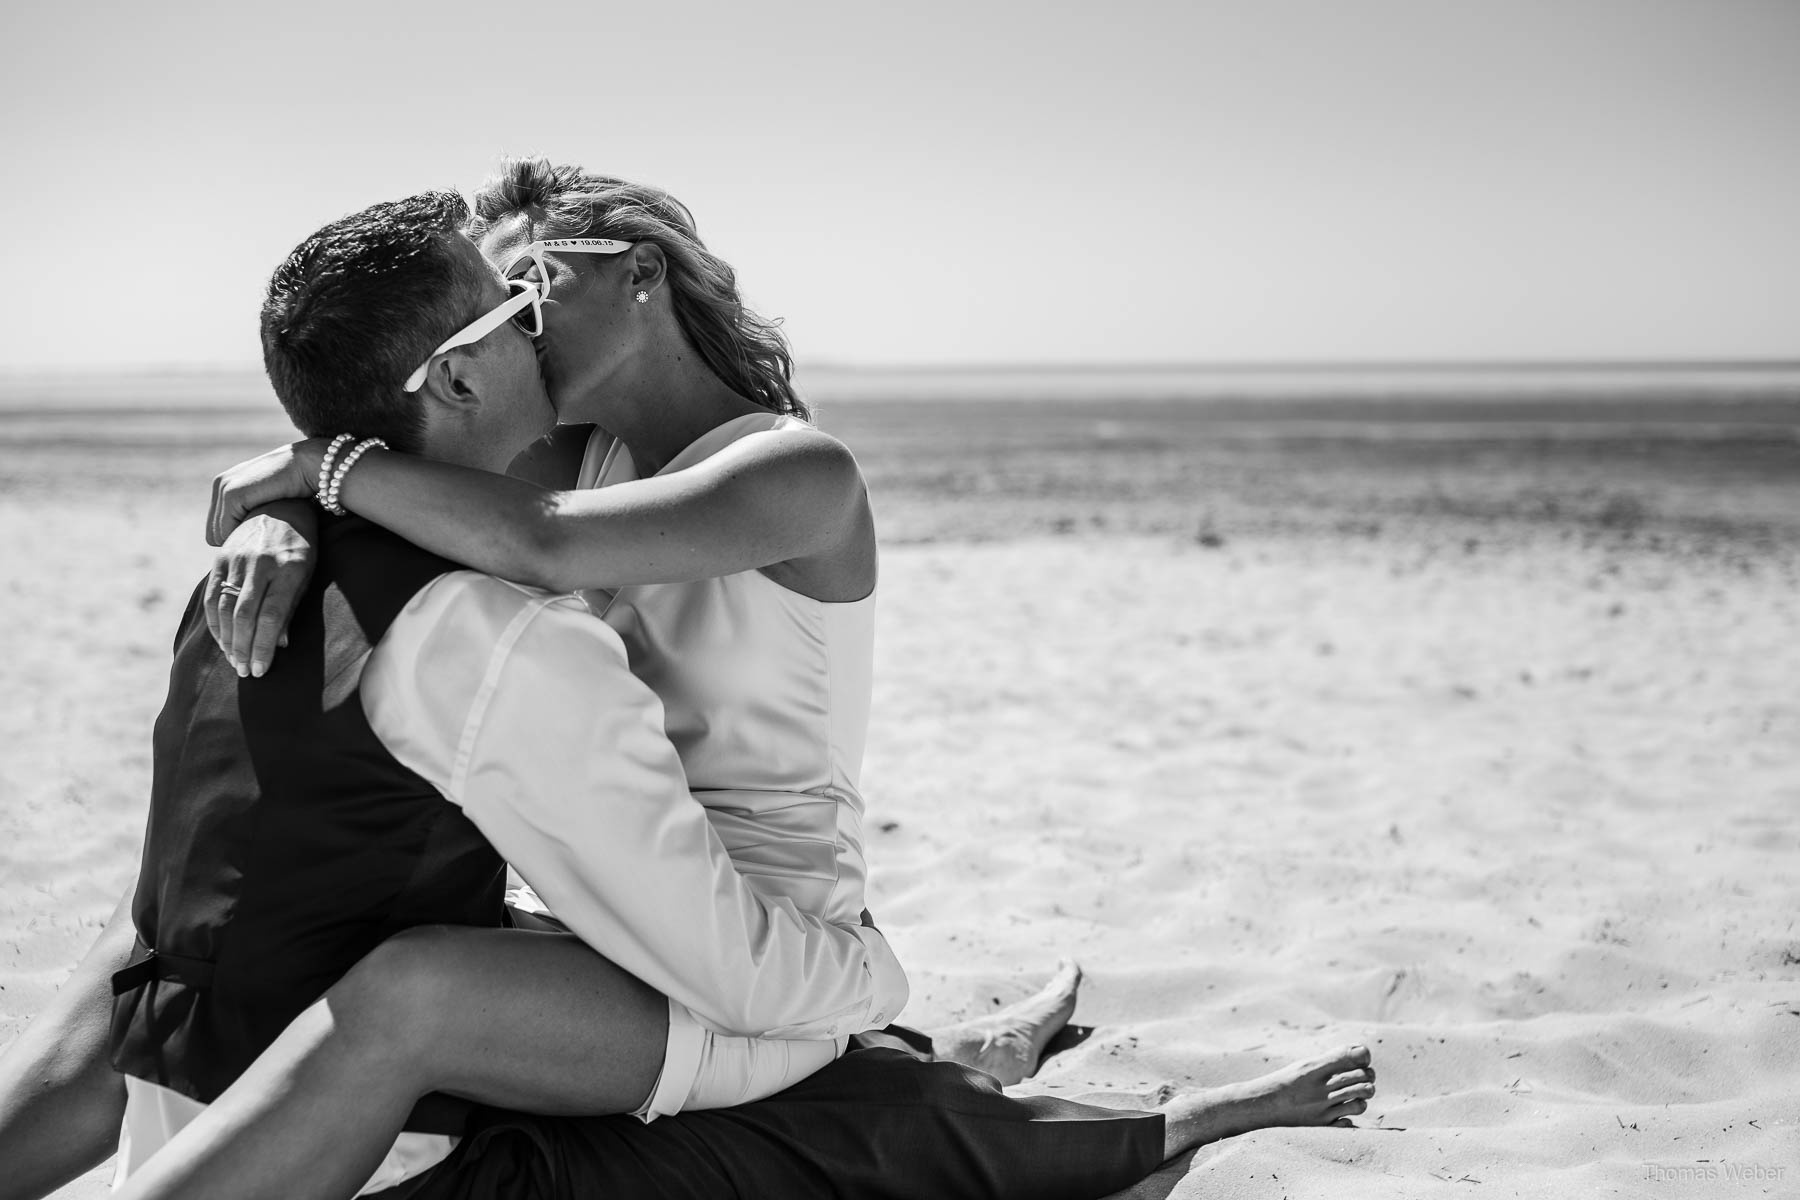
(1233,384)
(1324,367)
(832,368)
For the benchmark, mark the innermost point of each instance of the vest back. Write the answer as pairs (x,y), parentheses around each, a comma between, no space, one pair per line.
(284,841)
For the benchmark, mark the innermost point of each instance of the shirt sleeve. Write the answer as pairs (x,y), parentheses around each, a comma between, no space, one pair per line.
(521,708)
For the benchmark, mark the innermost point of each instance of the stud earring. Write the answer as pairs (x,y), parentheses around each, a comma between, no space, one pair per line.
(643,297)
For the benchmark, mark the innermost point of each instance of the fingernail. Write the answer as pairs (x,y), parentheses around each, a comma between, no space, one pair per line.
(240,668)
(257,669)
(283,642)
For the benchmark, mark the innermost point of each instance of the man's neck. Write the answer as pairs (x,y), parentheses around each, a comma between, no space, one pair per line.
(460,450)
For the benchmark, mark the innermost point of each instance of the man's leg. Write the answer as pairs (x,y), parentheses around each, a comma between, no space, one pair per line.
(60,1100)
(877,1124)
(883,1124)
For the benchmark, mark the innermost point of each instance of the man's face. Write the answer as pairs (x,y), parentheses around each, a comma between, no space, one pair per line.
(515,411)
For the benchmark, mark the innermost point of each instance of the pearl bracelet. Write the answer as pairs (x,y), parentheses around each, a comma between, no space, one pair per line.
(330,499)
(331,453)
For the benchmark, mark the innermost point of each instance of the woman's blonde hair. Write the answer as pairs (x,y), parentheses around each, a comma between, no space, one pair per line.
(744,350)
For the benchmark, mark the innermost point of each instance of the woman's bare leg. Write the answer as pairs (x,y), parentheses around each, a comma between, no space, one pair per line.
(1009,1044)
(533,1021)
(60,1099)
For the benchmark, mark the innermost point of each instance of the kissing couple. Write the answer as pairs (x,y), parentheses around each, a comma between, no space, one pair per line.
(561,577)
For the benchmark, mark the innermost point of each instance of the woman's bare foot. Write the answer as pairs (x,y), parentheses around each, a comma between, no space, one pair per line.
(1320,1091)
(1008,1044)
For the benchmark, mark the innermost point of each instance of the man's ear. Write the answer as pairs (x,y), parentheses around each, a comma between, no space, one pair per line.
(453,386)
(648,267)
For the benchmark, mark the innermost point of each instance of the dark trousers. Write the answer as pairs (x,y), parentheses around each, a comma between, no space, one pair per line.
(881,1123)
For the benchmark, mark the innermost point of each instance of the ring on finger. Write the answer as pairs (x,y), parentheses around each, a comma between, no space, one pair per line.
(230,589)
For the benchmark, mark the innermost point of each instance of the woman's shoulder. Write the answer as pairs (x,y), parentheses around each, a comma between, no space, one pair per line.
(797,432)
(815,472)
(775,446)
(782,426)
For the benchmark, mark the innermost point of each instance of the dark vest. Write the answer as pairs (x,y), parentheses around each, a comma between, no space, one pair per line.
(285,842)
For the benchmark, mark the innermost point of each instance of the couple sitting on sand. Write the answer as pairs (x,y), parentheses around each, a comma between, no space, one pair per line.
(318,987)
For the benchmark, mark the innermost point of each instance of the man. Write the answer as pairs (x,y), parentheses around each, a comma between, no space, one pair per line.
(299,820)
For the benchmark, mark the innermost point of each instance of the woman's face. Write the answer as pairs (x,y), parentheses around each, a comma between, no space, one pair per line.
(588,334)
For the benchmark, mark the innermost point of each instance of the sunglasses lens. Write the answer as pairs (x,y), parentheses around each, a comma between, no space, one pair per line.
(531,317)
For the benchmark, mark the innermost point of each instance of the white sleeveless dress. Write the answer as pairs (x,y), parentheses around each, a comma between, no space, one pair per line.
(766,698)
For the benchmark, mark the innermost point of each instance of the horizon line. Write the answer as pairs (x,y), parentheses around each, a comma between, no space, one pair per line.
(1084,367)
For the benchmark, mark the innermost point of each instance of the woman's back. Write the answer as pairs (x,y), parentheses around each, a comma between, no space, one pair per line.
(766,699)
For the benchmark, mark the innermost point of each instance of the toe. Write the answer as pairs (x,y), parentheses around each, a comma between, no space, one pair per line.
(1344,1123)
(1350,1108)
(1343,1061)
(1346,1078)
(1356,1091)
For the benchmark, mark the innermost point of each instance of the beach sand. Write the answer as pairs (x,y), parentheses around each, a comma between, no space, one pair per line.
(1488,761)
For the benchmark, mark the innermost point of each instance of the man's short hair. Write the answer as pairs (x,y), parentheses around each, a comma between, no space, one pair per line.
(357,307)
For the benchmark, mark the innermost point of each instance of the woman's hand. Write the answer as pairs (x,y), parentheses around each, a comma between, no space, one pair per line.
(284,473)
(256,578)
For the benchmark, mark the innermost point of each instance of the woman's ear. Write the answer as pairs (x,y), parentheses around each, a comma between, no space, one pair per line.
(648,267)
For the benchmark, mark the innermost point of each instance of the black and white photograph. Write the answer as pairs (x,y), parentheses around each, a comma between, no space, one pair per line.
(984,601)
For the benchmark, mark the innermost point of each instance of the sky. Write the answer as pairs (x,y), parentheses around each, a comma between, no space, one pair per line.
(955,183)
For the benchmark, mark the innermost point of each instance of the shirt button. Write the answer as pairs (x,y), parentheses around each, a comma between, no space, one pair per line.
(832,1031)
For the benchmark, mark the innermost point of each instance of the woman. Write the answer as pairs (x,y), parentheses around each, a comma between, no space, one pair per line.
(731,545)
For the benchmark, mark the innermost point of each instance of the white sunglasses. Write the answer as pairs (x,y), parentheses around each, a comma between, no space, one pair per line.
(535,252)
(529,292)
(526,306)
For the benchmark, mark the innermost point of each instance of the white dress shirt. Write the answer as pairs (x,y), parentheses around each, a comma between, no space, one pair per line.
(521,709)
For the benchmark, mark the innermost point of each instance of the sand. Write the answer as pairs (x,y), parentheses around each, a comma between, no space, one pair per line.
(1505,795)
(1520,825)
